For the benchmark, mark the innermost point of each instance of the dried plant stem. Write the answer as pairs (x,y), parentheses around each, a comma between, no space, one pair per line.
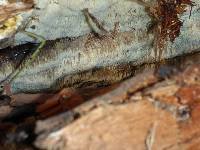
(26,62)
(94,23)
(32,57)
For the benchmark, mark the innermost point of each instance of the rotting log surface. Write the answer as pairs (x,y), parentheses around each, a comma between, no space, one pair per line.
(146,112)
(78,61)
(152,110)
(66,63)
(85,92)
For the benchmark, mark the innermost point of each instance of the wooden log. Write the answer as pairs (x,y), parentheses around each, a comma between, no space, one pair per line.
(156,115)
(79,60)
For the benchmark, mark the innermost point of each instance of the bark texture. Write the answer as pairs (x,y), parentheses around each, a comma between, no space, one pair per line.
(145,112)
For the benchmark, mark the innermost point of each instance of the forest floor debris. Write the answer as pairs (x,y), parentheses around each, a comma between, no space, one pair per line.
(158,110)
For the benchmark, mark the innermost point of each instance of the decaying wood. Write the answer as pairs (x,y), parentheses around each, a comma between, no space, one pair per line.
(153,110)
(79,61)
(139,119)
(136,113)
(67,19)
(53,99)
(73,63)
(21,99)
